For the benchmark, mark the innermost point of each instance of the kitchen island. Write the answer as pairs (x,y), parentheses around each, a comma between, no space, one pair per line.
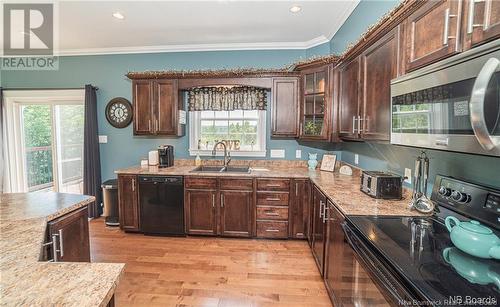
(28,280)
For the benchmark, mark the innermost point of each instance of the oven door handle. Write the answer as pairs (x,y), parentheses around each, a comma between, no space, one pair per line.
(476,105)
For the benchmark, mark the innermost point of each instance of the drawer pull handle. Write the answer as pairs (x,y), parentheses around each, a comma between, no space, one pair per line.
(273,199)
(272,213)
(273,185)
(272,230)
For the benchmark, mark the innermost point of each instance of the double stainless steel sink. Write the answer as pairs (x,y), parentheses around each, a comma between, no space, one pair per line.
(221,169)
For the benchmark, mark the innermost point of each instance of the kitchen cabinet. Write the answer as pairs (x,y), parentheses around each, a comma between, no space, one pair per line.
(316,105)
(349,76)
(156,108)
(432,33)
(71,235)
(379,65)
(333,253)
(128,204)
(236,213)
(481,21)
(200,211)
(299,211)
(273,200)
(319,228)
(285,107)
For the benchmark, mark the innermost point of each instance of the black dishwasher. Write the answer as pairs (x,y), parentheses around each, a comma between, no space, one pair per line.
(161,201)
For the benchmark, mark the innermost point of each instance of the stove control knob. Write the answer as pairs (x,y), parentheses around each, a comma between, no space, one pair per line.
(458,196)
(444,191)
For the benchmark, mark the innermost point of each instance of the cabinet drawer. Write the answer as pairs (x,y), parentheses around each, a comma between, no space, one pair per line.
(272,213)
(273,184)
(275,229)
(200,183)
(235,184)
(272,199)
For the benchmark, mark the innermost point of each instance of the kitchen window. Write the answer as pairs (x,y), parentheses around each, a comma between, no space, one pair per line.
(243,131)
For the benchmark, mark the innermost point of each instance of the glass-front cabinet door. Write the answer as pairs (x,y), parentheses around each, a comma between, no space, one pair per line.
(315,107)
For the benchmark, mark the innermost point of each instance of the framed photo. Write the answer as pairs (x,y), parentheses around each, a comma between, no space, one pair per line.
(328,163)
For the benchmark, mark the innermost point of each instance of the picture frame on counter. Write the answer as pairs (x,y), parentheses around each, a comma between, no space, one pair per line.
(328,163)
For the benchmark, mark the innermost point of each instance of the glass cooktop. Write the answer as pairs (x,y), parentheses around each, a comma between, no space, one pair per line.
(421,252)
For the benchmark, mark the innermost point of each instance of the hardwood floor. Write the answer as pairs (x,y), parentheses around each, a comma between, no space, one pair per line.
(203,271)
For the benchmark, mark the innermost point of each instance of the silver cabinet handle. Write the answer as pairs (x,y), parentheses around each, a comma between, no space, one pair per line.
(324,214)
(359,124)
(61,246)
(222,201)
(272,230)
(54,247)
(354,124)
(272,213)
(273,185)
(273,199)
(321,204)
(446,26)
(476,104)
(470,22)
(157,125)
(296,189)
(133,184)
(213,200)
(149,124)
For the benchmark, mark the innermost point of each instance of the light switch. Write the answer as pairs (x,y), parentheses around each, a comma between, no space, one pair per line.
(408,175)
(277,153)
(298,154)
(103,139)
(356,159)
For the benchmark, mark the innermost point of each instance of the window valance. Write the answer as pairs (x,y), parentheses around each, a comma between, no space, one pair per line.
(223,98)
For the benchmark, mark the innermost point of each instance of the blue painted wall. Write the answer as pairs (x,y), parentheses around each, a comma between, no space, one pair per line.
(108,73)
(376,156)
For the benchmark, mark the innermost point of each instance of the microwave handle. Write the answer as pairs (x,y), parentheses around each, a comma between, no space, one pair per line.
(476,104)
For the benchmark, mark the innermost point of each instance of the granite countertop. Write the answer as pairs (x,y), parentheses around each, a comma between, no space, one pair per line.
(342,190)
(26,281)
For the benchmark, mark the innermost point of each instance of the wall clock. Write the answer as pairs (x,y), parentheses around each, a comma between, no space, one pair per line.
(119,112)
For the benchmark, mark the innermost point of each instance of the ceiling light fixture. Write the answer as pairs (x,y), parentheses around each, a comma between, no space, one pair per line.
(295,9)
(118,15)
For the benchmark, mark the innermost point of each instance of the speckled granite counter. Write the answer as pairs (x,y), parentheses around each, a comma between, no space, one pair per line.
(342,190)
(24,280)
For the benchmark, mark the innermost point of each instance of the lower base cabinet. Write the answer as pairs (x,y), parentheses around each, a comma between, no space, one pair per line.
(200,211)
(69,235)
(318,228)
(236,213)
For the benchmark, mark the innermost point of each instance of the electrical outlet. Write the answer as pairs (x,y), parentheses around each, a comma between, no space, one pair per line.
(356,159)
(408,175)
(277,153)
(103,139)
(298,154)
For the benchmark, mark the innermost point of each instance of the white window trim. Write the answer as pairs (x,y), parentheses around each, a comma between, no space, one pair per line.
(194,128)
(14,178)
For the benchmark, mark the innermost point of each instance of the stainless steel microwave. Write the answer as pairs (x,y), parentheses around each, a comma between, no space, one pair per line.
(451,105)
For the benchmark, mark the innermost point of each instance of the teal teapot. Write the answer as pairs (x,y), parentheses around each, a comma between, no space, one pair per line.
(473,238)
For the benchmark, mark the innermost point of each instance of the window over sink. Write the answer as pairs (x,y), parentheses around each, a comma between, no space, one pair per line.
(243,131)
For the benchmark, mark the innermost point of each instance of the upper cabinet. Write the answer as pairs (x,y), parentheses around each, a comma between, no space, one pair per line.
(285,107)
(156,108)
(481,21)
(349,99)
(432,33)
(316,104)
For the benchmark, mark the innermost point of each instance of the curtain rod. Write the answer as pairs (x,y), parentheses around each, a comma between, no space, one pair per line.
(45,89)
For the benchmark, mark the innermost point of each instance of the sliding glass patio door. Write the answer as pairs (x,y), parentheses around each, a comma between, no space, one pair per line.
(45,145)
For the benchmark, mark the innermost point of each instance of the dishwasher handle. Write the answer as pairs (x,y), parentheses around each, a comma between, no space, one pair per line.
(170,180)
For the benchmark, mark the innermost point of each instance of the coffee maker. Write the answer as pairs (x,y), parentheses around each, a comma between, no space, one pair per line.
(166,155)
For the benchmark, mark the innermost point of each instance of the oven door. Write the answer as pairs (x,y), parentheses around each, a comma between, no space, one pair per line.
(366,280)
(452,106)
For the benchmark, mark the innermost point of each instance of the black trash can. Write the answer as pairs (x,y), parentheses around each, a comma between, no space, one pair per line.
(110,201)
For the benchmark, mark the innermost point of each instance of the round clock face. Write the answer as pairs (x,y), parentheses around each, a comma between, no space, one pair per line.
(119,112)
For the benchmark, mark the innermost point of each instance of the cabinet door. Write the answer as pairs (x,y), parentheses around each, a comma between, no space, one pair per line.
(299,211)
(200,211)
(285,107)
(333,253)
(318,245)
(236,213)
(128,202)
(143,109)
(432,32)
(379,67)
(482,21)
(316,104)
(72,236)
(348,99)
(166,107)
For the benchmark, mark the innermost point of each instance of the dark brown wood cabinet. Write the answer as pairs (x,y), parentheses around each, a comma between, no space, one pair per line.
(285,107)
(71,235)
(273,200)
(432,33)
(316,104)
(200,212)
(156,107)
(334,253)
(299,209)
(481,22)
(318,228)
(128,204)
(349,77)
(379,65)
(236,210)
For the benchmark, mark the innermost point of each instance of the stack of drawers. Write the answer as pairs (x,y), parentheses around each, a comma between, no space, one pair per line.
(272,208)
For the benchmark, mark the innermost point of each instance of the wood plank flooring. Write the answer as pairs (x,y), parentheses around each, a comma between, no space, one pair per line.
(202,271)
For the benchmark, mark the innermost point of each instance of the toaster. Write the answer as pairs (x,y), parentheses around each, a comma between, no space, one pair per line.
(382,185)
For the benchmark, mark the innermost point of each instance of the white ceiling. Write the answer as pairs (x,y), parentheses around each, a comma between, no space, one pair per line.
(88,27)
